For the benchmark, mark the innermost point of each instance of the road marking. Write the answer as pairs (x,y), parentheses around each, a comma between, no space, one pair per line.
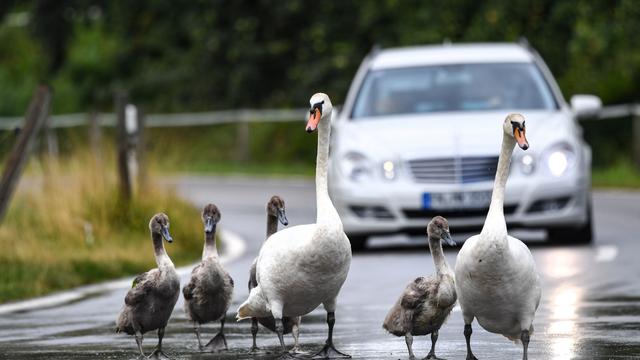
(234,247)
(606,253)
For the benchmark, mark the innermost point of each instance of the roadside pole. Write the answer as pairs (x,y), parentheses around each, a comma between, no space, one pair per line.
(95,138)
(635,128)
(130,125)
(124,177)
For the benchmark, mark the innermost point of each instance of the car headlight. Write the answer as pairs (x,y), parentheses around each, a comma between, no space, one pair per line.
(527,164)
(560,159)
(389,170)
(355,166)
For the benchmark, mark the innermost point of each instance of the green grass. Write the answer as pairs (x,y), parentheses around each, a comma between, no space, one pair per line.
(274,149)
(249,168)
(622,174)
(73,229)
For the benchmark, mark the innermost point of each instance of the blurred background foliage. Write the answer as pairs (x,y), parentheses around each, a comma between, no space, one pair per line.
(205,55)
(186,56)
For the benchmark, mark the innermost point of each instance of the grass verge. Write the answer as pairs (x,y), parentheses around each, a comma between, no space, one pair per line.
(70,227)
(622,174)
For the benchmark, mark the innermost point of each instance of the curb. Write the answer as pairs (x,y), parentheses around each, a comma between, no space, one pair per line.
(234,248)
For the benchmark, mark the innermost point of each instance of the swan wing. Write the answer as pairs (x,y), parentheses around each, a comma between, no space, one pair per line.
(189,289)
(283,250)
(399,320)
(417,292)
(141,287)
(525,266)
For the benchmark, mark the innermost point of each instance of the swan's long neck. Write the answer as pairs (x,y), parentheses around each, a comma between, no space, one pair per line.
(272,225)
(210,249)
(437,254)
(326,213)
(495,223)
(162,259)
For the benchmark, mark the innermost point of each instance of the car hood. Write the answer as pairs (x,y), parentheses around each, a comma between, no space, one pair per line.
(447,134)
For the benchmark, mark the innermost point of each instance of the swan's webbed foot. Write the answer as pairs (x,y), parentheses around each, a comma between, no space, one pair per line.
(158,354)
(298,352)
(257,351)
(218,343)
(330,352)
(433,356)
(288,356)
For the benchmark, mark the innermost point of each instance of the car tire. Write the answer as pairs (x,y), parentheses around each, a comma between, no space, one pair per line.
(573,235)
(358,242)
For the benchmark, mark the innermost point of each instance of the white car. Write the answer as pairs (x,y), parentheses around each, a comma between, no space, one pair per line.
(420,132)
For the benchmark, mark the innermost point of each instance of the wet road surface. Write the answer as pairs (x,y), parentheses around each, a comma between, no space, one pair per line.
(590,307)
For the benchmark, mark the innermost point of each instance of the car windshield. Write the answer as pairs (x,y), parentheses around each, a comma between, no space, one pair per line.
(460,87)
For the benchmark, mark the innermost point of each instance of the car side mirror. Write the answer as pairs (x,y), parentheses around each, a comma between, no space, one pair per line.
(586,106)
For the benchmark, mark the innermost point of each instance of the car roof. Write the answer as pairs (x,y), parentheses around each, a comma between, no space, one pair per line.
(450,54)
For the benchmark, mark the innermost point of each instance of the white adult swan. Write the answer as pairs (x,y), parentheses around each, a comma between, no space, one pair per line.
(304,266)
(496,278)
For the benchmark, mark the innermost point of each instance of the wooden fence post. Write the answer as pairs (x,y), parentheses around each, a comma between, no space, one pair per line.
(48,152)
(36,116)
(635,128)
(140,150)
(95,138)
(123,144)
(242,141)
(132,127)
(52,140)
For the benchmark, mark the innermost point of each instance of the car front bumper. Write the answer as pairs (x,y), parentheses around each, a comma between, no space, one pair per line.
(396,207)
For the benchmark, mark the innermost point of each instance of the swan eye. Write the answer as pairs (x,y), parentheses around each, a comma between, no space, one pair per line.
(517,125)
(315,106)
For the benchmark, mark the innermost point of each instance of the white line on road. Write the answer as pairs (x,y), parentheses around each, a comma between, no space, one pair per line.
(606,253)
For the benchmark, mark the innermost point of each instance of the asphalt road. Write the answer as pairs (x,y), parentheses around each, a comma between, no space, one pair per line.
(590,306)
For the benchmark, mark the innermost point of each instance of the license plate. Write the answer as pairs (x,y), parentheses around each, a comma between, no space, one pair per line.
(456,200)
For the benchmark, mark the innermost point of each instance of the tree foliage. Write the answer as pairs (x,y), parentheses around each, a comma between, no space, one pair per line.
(201,55)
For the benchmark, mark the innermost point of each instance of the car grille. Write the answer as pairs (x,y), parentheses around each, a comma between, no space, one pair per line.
(458,170)
(454,213)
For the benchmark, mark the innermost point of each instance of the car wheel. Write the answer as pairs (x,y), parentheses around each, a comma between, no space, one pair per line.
(573,235)
(358,242)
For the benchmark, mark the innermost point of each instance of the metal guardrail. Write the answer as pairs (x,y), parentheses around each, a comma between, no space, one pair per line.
(239,116)
(172,120)
(617,111)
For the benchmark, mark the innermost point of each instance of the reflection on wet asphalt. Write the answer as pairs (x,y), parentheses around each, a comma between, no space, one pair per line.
(590,307)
